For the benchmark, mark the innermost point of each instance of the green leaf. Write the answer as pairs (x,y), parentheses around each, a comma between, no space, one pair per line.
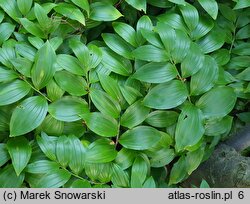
(118,45)
(54,92)
(116,63)
(244,75)
(47,145)
(43,69)
(130,94)
(53,179)
(26,51)
(11,8)
(104,103)
(140,138)
(7,173)
(70,11)
(101,151)
(68,108)
(140,5)
(24,6)
(152,37)
(205,78)
(204,184)
(11,92)
(42,18)
(175,90)
(225,98)
(70,64)
(52,126)
(101,124)
(162,157)
(211,7)
(190,15)
(80,184)
(180,2)
(156,72)
(194,159)
(4,155)
(6,30)
(144,23)
(150,53)
(243,33)
(242,4)
(134,115)
(77,154)
(42,166)
(127,32)
(99,172)
(73,84)
(193,62)
(32,28)
(84,4)
(189,129)
(162,119)
(28,115)
(119,177)
(139,172)
(222,56)
(173,20)
(20,153)
(178,171)
(101,11)
(63,150)
(125,158)
(149,183)
(219,126)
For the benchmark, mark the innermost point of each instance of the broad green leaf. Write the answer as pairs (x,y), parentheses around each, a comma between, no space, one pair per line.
(156,72)
(73,84)
(24,6)
(23,66)
(77,154)
(162,119)
(193,62)
(11,8)
(101,124)
(11,92)
(26,51)
(8,172)
(28,115)
(204,26)
(130,94)
(140,138)
(95,56)
(104,103)
(139,172)
(84,4)
(101,11)
(140,5)
(144,23)
(149,183)
(238,62)
(6,29)
(70,64)
(4,155)
(219,126)
(162,157)
(127,32)
(152,37)
(54,179)
(101,151)
(243,33)
(7,54)
(211,7)
(242,4)
(32,28)
(20,153)
(56,42)
(101,172)
(68,108)
(244,75)
(134,115)
(204,184)
(190,15)
(63,150)
(43,69)
(213,41)
(116,63)
(150,53)
(70,11)
(125,158)
(75,128)
(118,45)
(205,78)
(48,145)
(178,171)
(160,4)
(173,20)
(42,18)
(36,42)
(180,2)
(119,177)
(222,56)
(81,184)
(175,91)
(225,99)
(194,159)
(189,129)
(54,92)
(42,166)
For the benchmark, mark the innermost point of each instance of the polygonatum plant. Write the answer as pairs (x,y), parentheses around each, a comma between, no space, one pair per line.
(119,93)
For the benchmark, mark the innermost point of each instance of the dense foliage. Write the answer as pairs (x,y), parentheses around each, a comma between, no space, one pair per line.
(109,93)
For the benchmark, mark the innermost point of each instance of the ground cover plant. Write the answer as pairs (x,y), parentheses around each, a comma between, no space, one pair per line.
(109,93)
